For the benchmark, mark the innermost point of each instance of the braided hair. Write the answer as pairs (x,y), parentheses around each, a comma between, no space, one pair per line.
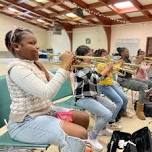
(15,36)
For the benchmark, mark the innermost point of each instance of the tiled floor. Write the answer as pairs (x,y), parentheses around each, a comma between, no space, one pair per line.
(129,125)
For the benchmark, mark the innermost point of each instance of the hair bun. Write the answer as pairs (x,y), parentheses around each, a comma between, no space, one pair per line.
(119,49)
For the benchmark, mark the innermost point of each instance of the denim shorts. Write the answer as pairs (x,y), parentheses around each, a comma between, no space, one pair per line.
(39,130)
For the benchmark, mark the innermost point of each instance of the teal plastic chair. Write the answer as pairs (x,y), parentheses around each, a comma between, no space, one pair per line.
(65,91)
(6,143)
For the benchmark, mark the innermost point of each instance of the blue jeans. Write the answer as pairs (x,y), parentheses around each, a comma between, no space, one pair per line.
(44,130)
(39,130)
(96,107)
(135,85)
(116,95)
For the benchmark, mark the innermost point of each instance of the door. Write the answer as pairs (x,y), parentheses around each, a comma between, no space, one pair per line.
(149,47)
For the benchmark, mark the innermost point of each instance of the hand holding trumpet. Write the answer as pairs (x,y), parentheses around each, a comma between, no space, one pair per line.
(107,69)
(67,59)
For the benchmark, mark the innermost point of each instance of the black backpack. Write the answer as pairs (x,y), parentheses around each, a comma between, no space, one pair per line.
(139,141)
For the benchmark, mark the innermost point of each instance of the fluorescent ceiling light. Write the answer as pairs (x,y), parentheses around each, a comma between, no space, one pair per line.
(26,14)
(72,15)
(41,1)
(13,10)
(124,5)
(40,20)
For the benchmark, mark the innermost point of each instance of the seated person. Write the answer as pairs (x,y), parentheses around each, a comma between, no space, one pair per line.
(86,79)
(110,89)
(126,80)
(31,86)
(144,68)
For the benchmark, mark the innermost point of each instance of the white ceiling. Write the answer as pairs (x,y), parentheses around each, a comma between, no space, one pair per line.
(145,2)
(103,9)
(135,14)
(90,1)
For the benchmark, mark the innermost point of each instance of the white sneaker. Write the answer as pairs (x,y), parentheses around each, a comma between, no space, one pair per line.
(95,144)
(106,132)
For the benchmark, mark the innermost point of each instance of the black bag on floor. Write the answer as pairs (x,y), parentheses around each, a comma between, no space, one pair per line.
(130,148)
(147,108)
(139,141)
(142,139)
(116,137)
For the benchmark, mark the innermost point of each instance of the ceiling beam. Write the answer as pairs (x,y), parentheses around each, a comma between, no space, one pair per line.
(87,17)
(139,7)
(102,19)
(31,9)
(66,26)
(42,6)
(53,10)
(115,1)
(90,6)
(108,2)
(25,20)
(65,7)
(109,13)
(28,8)
(95,5)
(48,4)
(147,7)
(68,9)
(140,19)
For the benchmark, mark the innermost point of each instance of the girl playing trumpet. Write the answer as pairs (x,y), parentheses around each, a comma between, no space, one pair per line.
(111,89)
(31,86)
(134,84)
(86,80)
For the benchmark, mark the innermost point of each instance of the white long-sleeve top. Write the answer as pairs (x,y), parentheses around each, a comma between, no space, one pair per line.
(29,89)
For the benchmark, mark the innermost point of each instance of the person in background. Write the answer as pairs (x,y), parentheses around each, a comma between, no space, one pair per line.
(111,89)
(31,86)
(126,81)
(143,70)
(86,79)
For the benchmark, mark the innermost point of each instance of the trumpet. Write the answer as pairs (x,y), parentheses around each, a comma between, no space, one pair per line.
(94,59)
(118,65)
(148,60)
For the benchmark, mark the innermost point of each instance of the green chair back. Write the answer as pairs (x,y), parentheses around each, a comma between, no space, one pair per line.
(4,101)
(64,91)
